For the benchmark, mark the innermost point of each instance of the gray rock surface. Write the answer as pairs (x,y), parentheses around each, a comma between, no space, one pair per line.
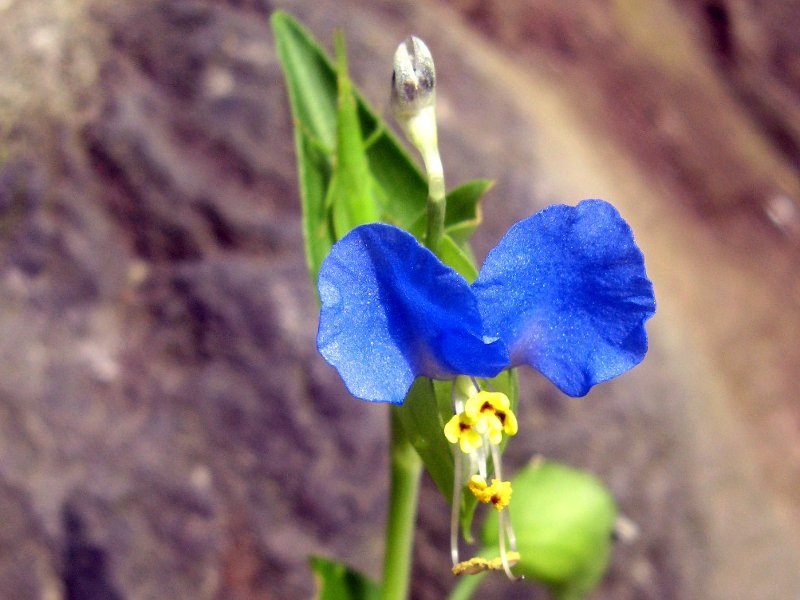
(166,428)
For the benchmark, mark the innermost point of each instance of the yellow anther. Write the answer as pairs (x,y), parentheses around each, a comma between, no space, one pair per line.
(491,412)
(478,564)
(477,485)
(473,566)
(499,493)
(510,426)
(460,429)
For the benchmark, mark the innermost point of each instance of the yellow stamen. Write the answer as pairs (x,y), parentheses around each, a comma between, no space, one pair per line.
(510,426)
(492,415)
(460,429)
(477,485)
(478,564)
(481,415)
(499,493)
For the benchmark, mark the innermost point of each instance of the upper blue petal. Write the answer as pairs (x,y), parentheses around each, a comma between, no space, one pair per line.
(566,289)
(392,311)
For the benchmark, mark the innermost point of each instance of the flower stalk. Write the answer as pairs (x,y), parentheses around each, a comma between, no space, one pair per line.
(405,468)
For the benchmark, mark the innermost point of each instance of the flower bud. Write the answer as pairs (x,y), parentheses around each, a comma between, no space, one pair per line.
(413,78)
(413,104)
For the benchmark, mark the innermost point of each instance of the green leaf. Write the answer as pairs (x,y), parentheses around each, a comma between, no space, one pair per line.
(423,420)
(463,210)
(424,413)
(315,174)
(340,187)
(312,88)
(311,80)
(350,197)
(452,255)
(463,213)
(400,179)
(563,519)
(335,581)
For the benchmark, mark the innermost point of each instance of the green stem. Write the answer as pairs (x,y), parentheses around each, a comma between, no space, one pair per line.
(437,200)
(406,467)
(435,231)
(420,129)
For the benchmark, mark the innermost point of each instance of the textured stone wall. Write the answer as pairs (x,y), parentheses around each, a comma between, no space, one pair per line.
(166,428)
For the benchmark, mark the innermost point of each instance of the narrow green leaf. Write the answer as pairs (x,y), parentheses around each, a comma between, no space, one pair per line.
(310,79)
(400,179)
(424,424)
(311,85)
(336,581)
(330,140)
(351,200)
(315,177)
(398,185)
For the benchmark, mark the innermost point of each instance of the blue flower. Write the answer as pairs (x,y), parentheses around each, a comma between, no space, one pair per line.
(565,291)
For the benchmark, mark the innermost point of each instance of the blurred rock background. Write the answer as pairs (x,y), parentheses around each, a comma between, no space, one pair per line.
(166,428)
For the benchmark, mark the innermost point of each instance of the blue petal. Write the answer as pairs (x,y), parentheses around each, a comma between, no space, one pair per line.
(566,290)
(391,311)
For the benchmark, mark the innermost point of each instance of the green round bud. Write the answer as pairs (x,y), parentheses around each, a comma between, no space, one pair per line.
(563,519)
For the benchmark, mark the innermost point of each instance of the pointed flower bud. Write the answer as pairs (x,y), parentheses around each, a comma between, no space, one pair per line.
(414,107)
(413,79)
